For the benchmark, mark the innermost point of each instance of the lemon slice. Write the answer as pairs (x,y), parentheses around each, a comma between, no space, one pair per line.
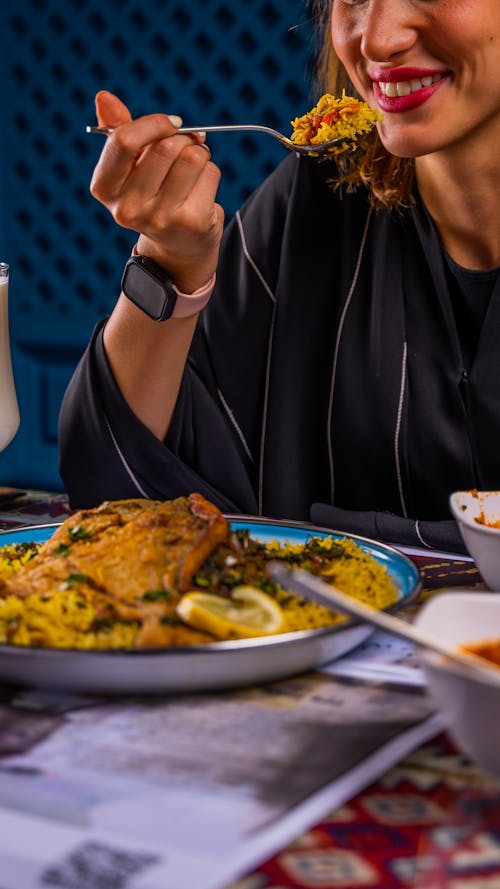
(249,612)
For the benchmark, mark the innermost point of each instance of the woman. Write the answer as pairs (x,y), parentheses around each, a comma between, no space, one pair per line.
(345,369)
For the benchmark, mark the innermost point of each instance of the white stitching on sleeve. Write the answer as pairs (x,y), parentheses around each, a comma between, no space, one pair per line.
(234,423)
(264,413)
(124,462)
(398,430)
(271,296)
(336,352)
(251,261)
(419,534)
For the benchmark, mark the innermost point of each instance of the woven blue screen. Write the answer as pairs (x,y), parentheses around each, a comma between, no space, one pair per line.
(210,61)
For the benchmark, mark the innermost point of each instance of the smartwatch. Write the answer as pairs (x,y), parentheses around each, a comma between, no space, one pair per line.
(148,286)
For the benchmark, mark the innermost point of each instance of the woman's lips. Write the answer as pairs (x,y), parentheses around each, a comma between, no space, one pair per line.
(398,95)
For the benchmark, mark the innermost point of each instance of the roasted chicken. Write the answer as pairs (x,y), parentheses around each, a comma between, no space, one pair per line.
(142,557)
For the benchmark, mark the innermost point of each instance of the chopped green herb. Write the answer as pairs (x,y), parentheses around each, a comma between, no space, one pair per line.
(232,576)
(78,532)
(156,595)
(62,550)
(201,581)
(101,623)
(269,586)
(318,546)
(74,579)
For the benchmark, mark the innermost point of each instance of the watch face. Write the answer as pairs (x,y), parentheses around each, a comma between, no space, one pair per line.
(154,298)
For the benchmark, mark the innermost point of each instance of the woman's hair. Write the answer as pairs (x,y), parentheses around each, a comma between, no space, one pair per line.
(389,179)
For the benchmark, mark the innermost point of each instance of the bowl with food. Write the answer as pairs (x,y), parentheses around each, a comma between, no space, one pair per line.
(478,516)
(143,595)
(468,696)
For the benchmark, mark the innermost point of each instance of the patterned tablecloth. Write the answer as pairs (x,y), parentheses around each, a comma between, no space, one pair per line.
(432,822)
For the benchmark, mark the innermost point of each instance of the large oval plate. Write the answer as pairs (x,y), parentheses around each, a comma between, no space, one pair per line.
(219,665)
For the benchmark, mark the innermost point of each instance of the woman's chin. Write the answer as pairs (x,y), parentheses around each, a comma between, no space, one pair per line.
(402,143)
(403,147)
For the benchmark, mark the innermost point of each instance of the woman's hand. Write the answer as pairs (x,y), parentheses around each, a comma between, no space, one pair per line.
(163,186)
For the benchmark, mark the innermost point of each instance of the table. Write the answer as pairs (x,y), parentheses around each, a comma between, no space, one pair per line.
(431,821)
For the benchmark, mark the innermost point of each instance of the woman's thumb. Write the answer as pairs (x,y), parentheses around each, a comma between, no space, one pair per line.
(110,110)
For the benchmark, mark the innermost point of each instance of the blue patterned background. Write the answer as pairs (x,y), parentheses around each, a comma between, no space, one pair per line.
(209,61)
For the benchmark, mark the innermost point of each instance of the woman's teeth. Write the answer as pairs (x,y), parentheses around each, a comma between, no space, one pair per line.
(405,87)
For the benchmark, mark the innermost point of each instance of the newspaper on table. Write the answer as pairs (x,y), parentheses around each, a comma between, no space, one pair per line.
(192,792)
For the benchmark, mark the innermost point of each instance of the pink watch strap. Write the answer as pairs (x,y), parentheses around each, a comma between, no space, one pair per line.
(189,303)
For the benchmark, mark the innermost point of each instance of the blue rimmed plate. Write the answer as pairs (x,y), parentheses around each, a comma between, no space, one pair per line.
(219,665)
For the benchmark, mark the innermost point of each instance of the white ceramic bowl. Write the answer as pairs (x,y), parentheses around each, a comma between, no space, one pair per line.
(482,541)
(470,700)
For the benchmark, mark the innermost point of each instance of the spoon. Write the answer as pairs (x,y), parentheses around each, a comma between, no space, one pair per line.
(312,588)
(314,150)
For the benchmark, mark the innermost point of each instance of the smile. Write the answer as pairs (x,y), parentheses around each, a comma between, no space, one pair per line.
(405,87)
(399,90)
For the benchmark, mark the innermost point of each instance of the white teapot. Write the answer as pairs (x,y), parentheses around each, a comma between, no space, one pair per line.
(9,410)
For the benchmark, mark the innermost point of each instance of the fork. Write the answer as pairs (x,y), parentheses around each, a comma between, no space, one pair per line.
(314,150)
(313,589)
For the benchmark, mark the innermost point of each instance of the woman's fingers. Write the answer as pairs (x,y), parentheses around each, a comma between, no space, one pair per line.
(122,150)
(163,177)
(194,181)
(163,185)
(159,158)
(184,208)
(139,154)
(200,212)
(110,110)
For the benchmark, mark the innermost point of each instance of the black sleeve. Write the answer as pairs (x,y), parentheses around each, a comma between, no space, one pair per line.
(107,453)
(377,525)
(105,450)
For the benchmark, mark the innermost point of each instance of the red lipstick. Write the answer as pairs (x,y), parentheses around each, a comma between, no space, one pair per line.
(399,104)
(393,75)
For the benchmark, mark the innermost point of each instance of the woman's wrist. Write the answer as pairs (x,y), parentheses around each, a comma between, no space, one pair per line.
(189,277)
(191,303)
(188,302)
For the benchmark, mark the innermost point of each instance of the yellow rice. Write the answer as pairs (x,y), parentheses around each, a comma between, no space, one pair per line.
(67,618)
(333,118)
(356,573)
